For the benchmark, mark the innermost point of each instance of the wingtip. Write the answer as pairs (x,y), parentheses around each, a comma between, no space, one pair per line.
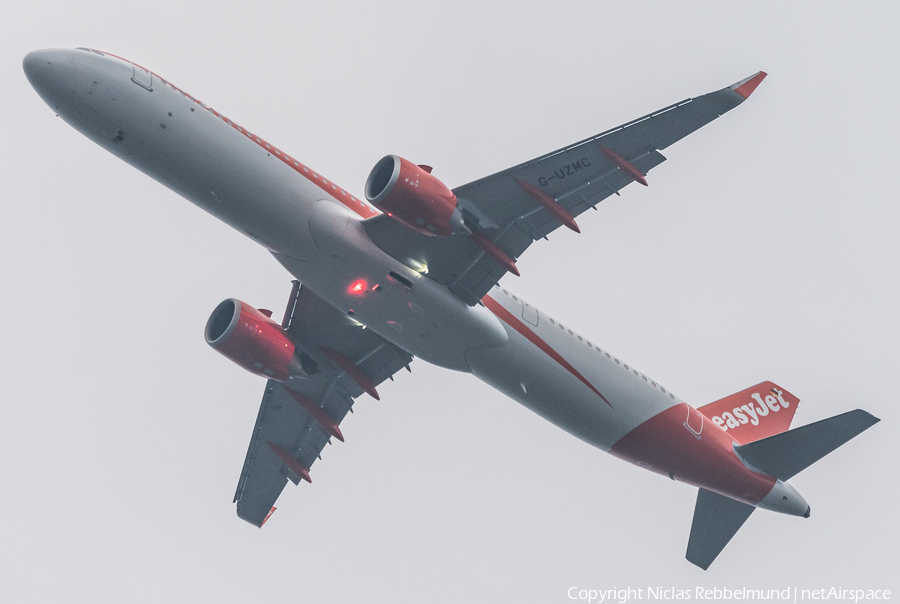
(746,86)
(701,565)
(873,419)
(251,519)
(266,519)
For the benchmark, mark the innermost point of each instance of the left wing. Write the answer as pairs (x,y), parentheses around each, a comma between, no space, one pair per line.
(297,419)
(513,208)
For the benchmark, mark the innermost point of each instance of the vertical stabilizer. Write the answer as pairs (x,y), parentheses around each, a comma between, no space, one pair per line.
(754,413)
(716,519)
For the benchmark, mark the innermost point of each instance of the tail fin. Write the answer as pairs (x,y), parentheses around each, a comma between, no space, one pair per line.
(716,519)
(785,455)
(754,413)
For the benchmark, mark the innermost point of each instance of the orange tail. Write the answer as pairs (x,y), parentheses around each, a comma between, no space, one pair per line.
(757,412)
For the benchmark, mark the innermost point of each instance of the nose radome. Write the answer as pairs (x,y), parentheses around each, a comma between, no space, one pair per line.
(36,62)
(39,66)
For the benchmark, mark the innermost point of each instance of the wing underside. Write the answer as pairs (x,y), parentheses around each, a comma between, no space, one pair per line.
(298,419)
(507,207)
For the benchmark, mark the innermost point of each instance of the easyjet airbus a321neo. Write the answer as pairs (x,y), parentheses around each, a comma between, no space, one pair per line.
(412,270)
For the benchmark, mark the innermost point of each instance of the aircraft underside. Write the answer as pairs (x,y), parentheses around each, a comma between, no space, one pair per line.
(413,271)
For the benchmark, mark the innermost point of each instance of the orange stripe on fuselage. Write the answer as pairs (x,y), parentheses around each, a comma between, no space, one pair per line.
(663,444)
(511,320)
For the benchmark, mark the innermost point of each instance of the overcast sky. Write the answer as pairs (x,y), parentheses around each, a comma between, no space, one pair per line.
(765,248)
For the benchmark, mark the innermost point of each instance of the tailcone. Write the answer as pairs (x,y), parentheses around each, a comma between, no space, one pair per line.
(784,499)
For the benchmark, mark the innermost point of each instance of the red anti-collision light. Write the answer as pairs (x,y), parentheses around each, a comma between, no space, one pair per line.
(358,287)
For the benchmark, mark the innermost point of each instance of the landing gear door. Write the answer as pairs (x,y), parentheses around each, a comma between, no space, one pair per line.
(142,77)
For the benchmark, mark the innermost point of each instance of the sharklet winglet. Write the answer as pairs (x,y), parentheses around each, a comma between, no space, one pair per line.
(746,86)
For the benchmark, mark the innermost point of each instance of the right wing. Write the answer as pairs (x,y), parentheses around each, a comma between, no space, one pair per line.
(297,420)
(520,205)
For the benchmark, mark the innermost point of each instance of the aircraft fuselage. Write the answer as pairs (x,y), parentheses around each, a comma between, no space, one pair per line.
(314,228)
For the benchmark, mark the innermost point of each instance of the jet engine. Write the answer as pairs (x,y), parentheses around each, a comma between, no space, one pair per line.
(413,196)
(252,340)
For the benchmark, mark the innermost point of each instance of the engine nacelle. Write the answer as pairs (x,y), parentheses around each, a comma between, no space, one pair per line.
(413,196)
(252,340)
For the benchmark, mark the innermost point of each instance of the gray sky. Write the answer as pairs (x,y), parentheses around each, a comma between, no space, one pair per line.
(765,248)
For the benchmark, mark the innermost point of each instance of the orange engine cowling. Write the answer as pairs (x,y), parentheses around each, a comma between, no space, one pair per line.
(252,340)
(413,196)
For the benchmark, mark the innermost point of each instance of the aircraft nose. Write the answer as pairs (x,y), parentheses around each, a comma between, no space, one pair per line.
(54,75)
(38,66)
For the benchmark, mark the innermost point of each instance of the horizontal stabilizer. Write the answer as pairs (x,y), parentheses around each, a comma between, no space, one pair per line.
(787,454)
(716,519)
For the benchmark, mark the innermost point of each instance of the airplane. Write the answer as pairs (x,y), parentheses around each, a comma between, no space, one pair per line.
(413,270)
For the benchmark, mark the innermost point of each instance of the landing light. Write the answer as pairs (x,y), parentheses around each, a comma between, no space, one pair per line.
(419,267)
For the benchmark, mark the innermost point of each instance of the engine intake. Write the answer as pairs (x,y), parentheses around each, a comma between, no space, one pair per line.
(252,340)
(413,196)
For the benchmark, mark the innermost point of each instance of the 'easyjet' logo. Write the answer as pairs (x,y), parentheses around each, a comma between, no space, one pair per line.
(739,415)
